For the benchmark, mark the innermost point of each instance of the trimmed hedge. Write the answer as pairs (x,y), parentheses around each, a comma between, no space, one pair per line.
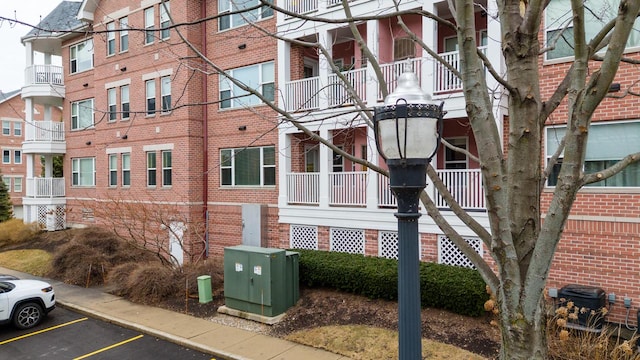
(457,289)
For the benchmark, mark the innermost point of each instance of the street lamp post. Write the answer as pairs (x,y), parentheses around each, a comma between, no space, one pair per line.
(408,129)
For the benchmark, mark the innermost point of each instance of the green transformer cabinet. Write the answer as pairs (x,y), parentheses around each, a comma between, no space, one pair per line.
(260,280)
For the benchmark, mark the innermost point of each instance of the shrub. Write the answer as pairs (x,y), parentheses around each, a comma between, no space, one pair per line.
(15,231)
(452,288)
(190,272)
(150,284)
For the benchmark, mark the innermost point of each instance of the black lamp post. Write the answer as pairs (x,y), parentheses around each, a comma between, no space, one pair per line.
(408,130)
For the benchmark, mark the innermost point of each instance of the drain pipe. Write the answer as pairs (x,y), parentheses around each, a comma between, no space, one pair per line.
(205,135)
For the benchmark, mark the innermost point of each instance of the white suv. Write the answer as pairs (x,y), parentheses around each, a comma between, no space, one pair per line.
(25,302)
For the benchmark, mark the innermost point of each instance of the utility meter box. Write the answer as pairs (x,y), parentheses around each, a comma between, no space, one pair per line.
(585,297)
(256,280)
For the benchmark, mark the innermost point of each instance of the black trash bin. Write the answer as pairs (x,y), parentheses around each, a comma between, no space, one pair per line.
(589,301)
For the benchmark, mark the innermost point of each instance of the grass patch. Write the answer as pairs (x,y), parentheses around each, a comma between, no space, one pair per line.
(369,343)
(33,261)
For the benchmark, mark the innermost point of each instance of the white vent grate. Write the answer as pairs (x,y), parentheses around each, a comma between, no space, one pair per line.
(388,244)
(448,252)
(347,240)
(303,237)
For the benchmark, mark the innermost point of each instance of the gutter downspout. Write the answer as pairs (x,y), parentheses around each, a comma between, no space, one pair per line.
(205,135)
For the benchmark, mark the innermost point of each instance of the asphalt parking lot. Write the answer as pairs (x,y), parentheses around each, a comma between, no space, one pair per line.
(68,335)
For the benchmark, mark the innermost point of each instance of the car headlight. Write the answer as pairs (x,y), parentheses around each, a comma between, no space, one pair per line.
(47,289)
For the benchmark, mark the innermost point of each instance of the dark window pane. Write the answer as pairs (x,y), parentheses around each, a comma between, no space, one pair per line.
(247,167)
(270,176)
(225,99)
(225,177)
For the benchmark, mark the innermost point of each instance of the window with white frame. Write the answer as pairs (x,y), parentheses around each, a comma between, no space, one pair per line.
(17,128)
(600,154)
(165,93)
(403,48)
(150,87)
(81,114)
(81,56)
(151,169)
(17,156)
(260,77)
(164,20)
(455,159)
(6,156)
(166,168)
(124,34)
(111,38)
(559,25)
(6,127)
(254,166)
(7,182)
(126,169)
(113,107)
(124,101)
(148,25)
(83,171)
(17,184)
(113,170)
(255,13)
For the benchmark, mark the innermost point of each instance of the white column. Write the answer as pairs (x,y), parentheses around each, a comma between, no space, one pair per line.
(372,176)
(373,39)
(284,73)
(429,37)
(48,165)
(324,69)
(494,54)
(284,166)
(326,157)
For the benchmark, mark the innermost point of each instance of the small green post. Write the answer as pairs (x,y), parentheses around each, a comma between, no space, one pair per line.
(204,289)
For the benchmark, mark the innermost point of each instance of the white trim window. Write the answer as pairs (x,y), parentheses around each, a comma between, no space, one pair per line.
(17,128)
(17,156)
(255,166)
(124,101)
(124,34)
(150,87)
(164,20)
(126,169)
(7,182)
(149,26)
(165,93)
(6,156)
(113,170)
(113,107)
(83,171)
(260,77)
(17,184)
(111,38)
(81,56)
(456,159)
(234,20)
(82,114)
(559,25)
(600,154)
(152,179)
(167,168)
(6,127)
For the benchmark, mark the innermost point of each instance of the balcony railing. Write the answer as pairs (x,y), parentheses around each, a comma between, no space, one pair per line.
(45,131)
(447,81)
(393,70)
(349,189)
(45,187)
(43,74)
(339,95)
(303,94)
(301,6)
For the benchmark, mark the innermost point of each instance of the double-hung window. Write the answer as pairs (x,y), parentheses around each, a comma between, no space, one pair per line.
(111,38)
(260,77)
(150,87)
(126,169)
(17,184)
(81,56)
(151,169)
(559,25)
(6,156)
(124,101)
(17,128)
(165,93)
(6,127)
(81,114)
(164,20)
(166,168)
(600,154)
(148,26)
(7,182)
(17,156)
(124,34)
(254,166)
(255,13)
(113,170)
(83,171)
(113,107)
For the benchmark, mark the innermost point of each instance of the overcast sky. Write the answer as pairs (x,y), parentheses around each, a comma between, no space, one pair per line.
(12,52)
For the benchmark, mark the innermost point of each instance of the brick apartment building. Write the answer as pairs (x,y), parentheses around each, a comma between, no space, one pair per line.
(146,121)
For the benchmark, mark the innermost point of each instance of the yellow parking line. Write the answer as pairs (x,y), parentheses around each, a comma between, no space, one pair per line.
(108,347)
(41,331)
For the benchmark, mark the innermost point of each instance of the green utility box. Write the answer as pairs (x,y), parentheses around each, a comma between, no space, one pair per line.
(292,275)
(204,289)
(256,280)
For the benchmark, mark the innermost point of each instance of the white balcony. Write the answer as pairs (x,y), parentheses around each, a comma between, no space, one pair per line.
(44,137)
(43,74)
(45,188)
(349,189)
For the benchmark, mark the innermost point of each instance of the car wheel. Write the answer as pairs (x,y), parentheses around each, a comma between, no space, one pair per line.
(27,315)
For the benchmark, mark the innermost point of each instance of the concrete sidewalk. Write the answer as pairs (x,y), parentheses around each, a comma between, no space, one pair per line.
(224,342)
